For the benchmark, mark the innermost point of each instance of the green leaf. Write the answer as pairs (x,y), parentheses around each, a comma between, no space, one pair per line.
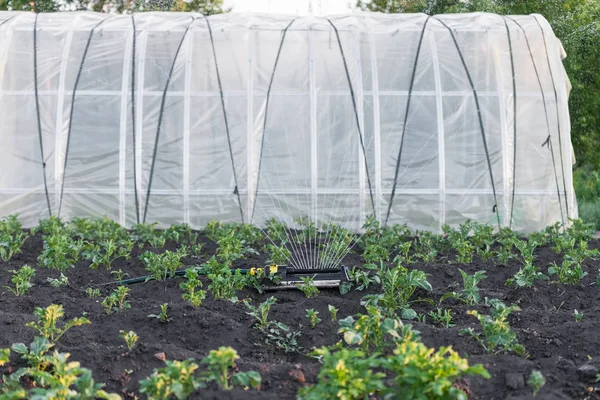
(345,287)
(4,356)
(409,313)
(347,322)
(247,379)
(19,348)
(353,337)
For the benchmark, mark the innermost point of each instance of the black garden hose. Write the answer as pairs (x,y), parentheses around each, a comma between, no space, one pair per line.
(140,279)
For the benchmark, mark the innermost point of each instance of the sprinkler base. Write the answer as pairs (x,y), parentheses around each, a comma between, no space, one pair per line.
(290,278)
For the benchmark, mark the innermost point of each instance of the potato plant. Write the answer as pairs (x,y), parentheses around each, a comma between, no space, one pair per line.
(496,335)
(117,300)
(49,319)
(21,280)
(191,287)
(162,266)
(60,379)
(12,237)
(61,251)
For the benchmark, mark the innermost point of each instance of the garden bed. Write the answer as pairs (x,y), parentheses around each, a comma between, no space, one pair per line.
(564,349)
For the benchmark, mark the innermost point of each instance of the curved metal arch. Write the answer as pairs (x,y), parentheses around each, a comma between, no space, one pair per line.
(360,133)
(37,108)
(262,141)
(557,114)
(480,118)
(406,111)
(236,190)
(537,75)
(160,118)
(133,127)
(14,16)
(514,87)
(83,57)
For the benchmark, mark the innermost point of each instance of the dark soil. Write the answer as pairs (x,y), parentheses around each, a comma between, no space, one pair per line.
(557,345)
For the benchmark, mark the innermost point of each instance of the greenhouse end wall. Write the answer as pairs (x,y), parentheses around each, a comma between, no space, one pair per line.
(178,118)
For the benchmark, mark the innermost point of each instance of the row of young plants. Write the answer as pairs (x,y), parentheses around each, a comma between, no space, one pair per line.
(49,374)
(354,368)
(389,252)
(102,241)
(377,244)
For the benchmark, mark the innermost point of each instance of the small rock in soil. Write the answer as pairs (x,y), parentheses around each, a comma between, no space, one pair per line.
(514,380)
(564,363)
(558,342)
(297,375)
(587,372)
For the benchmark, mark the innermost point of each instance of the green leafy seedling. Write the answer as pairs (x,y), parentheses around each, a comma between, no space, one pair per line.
(4,356)
(92,293)
(161,266)
(219,362)
(418,370)
(60,379)
(333,312)
(162,316)
(223,282)
(247,379)
(130,338)
(313,316)
(345,374)
(176,380)
(11,244)
(568,272)
(261,313)
(62,280)
(22,280)
(34,355)
(308,286)
(469,294)
(60,251)
(442,317)
(48,320)
(192,286)
(373,332)
(497,334)
(117,300)
(536,381)
(107,251)
(399,284)
(283,337)
(119,275)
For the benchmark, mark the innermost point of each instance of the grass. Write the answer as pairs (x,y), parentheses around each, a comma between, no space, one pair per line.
(587,189)
(589,212)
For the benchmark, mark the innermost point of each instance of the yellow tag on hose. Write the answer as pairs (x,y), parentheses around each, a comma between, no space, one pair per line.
(252,271)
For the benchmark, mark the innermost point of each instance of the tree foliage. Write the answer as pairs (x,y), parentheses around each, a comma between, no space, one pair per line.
(575,22)
(206,7)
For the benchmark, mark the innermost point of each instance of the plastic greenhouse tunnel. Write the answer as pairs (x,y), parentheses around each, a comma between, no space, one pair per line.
(181,118)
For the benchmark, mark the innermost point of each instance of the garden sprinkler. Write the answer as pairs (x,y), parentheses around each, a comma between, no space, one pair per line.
(286,277)
(278,276)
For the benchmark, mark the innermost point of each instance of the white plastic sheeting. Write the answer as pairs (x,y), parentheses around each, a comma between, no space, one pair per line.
(120,113)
